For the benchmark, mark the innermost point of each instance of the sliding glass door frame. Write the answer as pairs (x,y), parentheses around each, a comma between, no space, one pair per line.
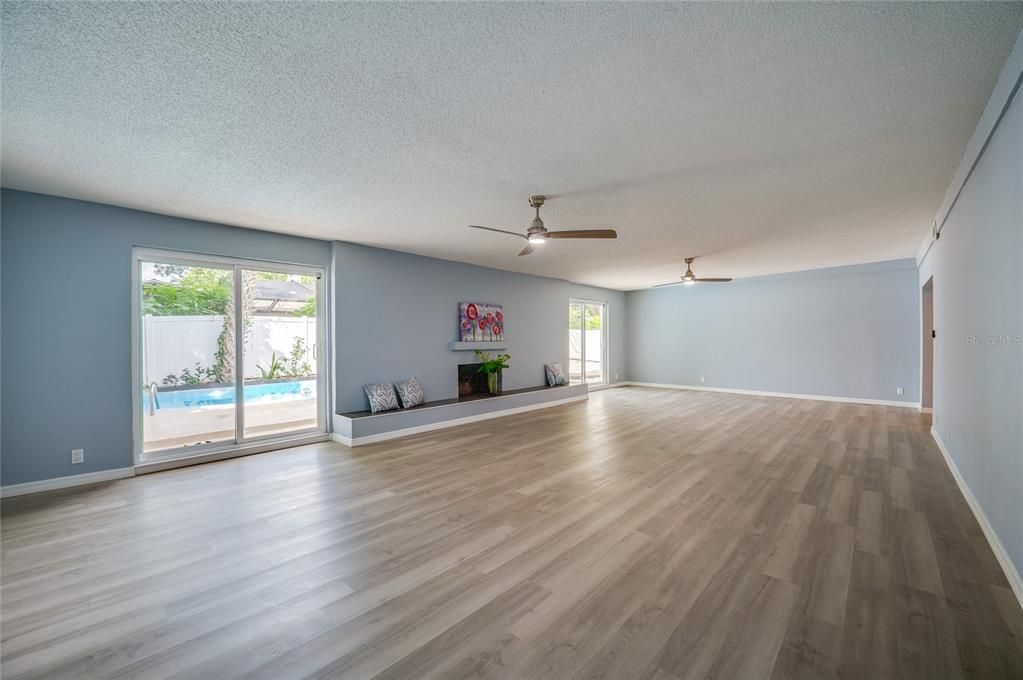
(240,443)
(605,351)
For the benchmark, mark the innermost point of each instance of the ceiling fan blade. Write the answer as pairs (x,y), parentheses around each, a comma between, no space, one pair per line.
(527,250)
(499,231)
(584,233)
(673,283)
(712,280)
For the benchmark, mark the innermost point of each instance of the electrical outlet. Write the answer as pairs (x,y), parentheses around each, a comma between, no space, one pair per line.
(701,379)
(77,456)
(898,391)
(616,376)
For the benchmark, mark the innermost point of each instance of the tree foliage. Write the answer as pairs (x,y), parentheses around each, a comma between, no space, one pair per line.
(199,292)
(592,320)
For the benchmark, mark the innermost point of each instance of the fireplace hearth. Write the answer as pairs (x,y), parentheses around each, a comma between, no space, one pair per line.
(472,383)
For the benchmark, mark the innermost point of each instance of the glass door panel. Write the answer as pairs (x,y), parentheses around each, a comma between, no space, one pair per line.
(280,353)
(593,343)
(187,373)
(225,352)
(575,343)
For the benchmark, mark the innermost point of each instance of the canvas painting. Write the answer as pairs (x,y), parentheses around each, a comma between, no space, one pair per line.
(480,322)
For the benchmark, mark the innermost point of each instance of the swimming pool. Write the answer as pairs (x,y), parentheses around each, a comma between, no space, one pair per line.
(223,395)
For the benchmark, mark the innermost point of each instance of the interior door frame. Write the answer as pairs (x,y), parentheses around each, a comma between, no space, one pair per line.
(605,352)
(240,445)
(927,347)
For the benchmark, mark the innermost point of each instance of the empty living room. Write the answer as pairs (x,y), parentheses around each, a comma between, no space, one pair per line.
(511,340)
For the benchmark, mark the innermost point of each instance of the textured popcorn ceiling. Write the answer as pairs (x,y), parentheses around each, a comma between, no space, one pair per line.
(762,137)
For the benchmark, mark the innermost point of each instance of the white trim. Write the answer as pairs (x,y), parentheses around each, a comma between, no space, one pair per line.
(606,386)
(137,343)
(189,258)
(784,395)
(65,482)
(237,296)
(1011,573)
(1001,97)
(444,424)
(331,321)
(341,439)
(926,409)
(230,451)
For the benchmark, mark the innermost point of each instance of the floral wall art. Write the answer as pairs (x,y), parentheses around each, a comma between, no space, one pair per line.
(480,322)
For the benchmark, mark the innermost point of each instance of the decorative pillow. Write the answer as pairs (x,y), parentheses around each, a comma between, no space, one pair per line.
(555,376)
(410,393)
(381,397)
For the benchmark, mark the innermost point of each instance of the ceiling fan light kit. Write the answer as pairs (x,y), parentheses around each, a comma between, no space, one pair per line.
(538,234)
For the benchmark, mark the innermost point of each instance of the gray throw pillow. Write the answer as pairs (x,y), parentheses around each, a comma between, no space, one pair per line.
(555,376)
(410,393)
(381,397)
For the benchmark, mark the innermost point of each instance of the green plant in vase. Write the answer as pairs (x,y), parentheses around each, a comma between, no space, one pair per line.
(492,367)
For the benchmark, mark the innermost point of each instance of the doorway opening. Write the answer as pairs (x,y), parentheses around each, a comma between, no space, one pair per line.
(927,349)
(587,342)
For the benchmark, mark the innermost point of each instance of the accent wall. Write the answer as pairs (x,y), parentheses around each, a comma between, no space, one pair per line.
(848,332)
(396,313)
(66,365)
(978,317)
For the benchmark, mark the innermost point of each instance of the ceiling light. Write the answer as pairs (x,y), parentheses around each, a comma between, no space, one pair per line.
(537,240)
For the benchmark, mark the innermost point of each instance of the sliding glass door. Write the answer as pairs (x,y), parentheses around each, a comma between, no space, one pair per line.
(280,352)
(188,386)
(226,353)
(587,342)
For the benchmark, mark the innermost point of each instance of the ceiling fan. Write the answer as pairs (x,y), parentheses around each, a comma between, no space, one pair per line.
(537,234)
(689,277)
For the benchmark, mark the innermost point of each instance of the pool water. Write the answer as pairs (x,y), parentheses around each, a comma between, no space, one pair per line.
(216,396)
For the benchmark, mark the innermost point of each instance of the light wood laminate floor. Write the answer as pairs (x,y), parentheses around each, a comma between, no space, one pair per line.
(649,534)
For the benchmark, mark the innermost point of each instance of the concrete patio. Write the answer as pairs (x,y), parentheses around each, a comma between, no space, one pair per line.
(171,429)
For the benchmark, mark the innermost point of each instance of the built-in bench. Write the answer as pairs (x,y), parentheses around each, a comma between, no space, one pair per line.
(363,427)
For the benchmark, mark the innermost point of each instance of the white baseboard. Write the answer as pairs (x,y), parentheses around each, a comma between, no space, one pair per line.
(65,482)
(608,386)
(784,395)
(444,424)
(1011,573)
(341,439)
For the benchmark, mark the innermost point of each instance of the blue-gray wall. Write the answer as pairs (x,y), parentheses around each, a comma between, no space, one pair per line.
(842,332)
(65,321)
(978,295)
(66,307)
(395,314)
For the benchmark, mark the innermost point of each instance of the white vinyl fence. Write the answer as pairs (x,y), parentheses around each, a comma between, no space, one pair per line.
(172,343)
(593,347)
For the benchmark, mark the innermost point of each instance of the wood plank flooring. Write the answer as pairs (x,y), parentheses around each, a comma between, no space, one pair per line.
(646,534)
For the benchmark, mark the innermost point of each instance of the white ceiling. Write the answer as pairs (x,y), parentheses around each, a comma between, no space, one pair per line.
(762,137)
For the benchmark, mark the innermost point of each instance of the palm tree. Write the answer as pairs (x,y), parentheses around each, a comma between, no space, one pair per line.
(226,355)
